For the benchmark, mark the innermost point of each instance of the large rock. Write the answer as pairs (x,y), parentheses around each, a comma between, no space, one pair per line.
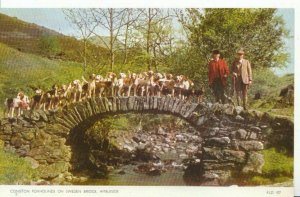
(218,154)
(218,141)
(215,177)
(34,163)
(28,135)
(53,170)
(254,163)
(241,134)
(238,110)
(229,109)
(251,145)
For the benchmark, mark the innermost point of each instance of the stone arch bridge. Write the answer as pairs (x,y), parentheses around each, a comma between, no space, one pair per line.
(43,138)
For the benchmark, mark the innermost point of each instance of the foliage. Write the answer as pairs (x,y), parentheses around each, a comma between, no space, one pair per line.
(260,32)
(50,45)
(13,169)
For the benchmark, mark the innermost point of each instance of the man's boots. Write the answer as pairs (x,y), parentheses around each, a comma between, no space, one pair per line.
(238,101)
(245,100)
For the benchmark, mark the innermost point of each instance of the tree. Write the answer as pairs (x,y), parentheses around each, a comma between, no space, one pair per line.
(151,18)
(50,45)
(112,20)
(260,32)
(81,19)
(131,16)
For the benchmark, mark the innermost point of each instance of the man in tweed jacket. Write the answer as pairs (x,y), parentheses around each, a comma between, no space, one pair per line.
(242,77)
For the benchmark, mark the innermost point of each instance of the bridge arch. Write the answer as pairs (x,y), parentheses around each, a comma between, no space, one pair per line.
(83,114)
(43,136)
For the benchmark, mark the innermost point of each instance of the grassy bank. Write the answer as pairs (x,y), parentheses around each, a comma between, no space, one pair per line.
(278,168)
(269,86)
(13,169)
(19,71)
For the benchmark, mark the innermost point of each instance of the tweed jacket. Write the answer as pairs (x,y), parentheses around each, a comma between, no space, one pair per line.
(245,70)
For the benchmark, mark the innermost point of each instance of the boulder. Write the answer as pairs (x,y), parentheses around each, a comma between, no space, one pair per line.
(218,141)
(218,154)
(129,147)
(238,110)
(254,163)
(229,109)
(180,137)
(28,135)
(43,115)
(239,118)
(241,134)
(255,129)
(251,145)
(53,170)
(215,177)
(34,163)
(23,150)
(233,155)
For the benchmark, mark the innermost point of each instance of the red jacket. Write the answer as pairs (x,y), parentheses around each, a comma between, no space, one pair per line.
(217,69)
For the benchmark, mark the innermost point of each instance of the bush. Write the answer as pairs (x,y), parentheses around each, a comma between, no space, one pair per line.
(50,45)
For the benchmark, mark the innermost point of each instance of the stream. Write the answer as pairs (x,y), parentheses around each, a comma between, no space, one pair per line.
(159,155)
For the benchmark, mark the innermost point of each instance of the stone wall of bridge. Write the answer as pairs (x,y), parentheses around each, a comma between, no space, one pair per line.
(232,137)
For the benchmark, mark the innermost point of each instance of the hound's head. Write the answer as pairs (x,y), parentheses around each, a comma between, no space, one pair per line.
(98,77)
(169,76)
(76,82)
(54,87)
(141,76)
(133,75)
(150,72)
(159,75)
(122,75)
(38,91)
(92,76)
(21,94)
(179,78)
(111,75)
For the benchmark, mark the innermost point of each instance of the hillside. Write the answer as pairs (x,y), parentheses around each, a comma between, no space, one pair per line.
(269,86)
(19,70)
(32,38)
(104,42)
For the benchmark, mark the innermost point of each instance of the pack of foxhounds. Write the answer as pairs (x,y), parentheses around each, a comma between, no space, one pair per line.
(130,84)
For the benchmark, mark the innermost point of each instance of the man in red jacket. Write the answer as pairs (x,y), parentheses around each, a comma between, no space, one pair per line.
(217,76)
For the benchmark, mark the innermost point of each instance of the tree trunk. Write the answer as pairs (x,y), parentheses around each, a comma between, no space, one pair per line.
(154,58)
(84,56)
(111,39)
(148,39)
(125,45)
